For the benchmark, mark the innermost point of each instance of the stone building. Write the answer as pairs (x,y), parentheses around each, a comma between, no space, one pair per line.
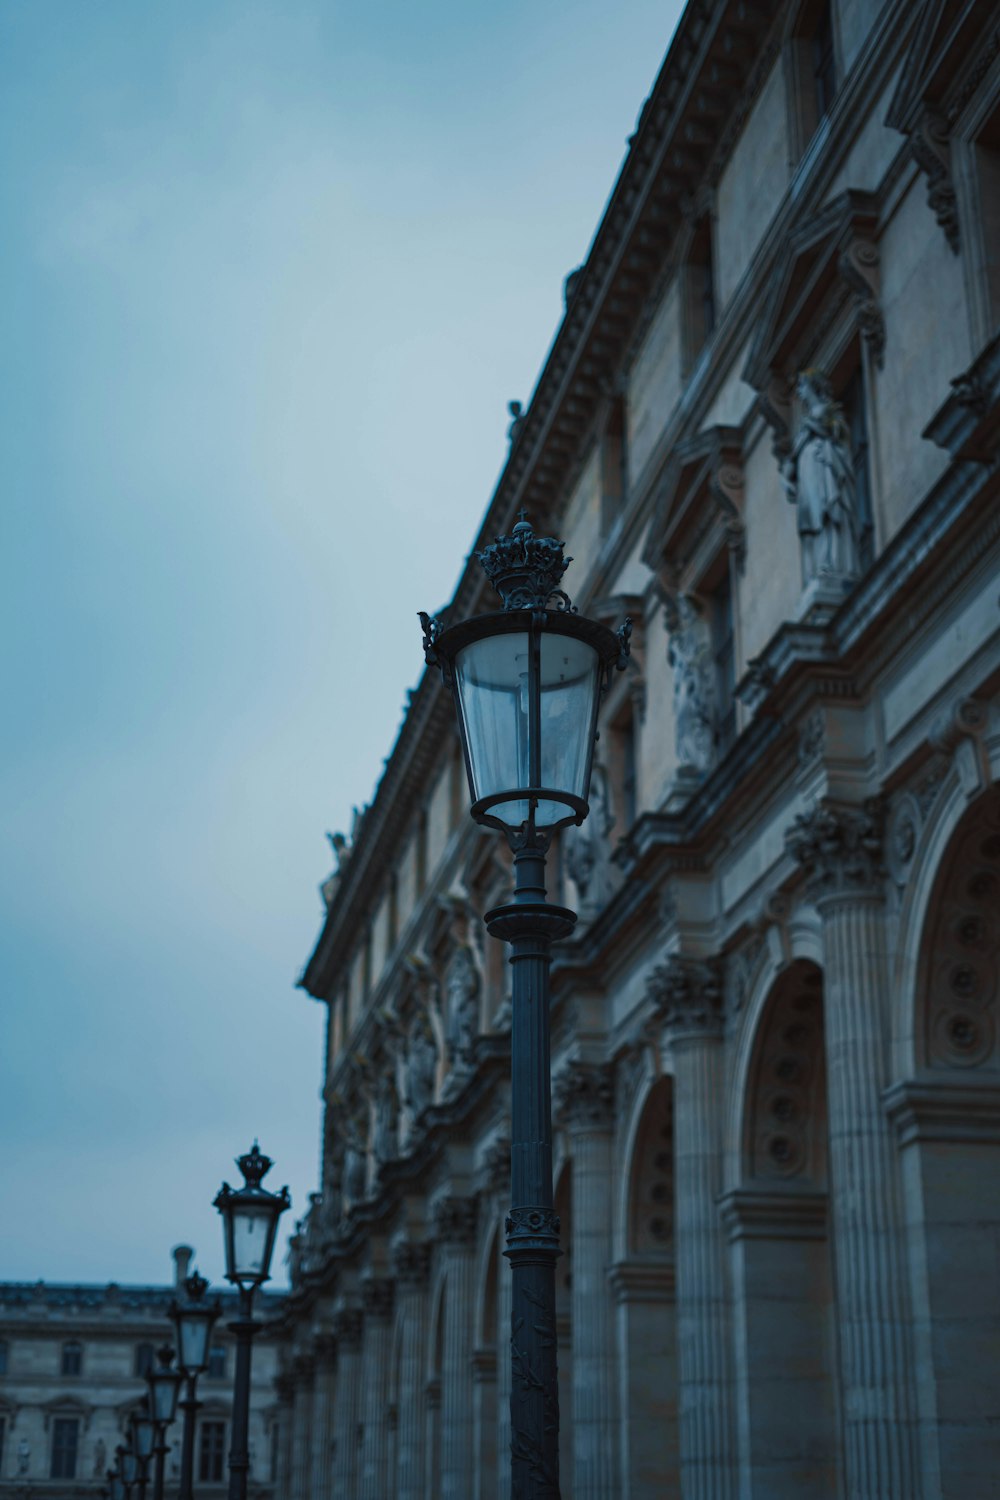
(767,429)
(72,1367)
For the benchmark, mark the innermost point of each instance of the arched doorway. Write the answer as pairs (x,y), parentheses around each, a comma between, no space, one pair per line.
(643,1285)
(782,1273)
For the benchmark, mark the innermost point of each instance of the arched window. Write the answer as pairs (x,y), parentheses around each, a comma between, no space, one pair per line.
(72,1358)
(143,1360)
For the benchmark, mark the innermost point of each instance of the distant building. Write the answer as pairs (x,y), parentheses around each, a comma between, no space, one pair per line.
(72,1367)
(768,429)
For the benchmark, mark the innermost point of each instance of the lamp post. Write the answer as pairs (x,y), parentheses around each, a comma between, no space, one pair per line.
(142,1436)
(128,1467)
(194,1319)
(250,1217)
(164,1389)
(527,683)
(116,1485)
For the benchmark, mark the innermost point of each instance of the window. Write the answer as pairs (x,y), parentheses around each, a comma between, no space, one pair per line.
(856,417)
(614,464)
(212,1452)
(721,617)
(65,1435)
(72,1358)
(699,292)
(810,71)
(217,1362)
(143,1360)
(3,1357)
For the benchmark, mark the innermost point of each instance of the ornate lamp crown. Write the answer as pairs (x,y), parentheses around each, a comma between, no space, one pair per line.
(254,1166)
(165,1355)
(196,1286)
(526,569)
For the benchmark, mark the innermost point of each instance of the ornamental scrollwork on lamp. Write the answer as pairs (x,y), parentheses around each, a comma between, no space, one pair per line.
(840,848)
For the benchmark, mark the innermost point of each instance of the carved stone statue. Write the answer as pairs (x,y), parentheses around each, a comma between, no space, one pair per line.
(23,1457)
(695,706)
(421,1066)
(818,476)
(100,1459)
(462,990)
(386,1140)
(586,847)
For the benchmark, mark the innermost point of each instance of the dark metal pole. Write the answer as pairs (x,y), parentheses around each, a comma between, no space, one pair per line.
(239,1450)
(531,925)
(159,1462)
(189,1407)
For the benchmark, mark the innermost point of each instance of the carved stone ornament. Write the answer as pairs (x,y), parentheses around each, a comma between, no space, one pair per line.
(696,711)
(687,994)
(455,1220)
(931,150)
(411,1262)
(901,833)
(377,1294)
(859,266)
(819,480)
(584,1095)
(840,848)
(347,1324)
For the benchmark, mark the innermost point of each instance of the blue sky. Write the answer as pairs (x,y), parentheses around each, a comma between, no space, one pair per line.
(271,273)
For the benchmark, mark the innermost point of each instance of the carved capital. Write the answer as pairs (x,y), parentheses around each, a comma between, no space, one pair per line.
(494,1166)
(304,1369)
(840,849)
(325,1350)
(687,995)
(410,1262)
(377,1294)
(455,1220)
(347,1327)
(584,1095)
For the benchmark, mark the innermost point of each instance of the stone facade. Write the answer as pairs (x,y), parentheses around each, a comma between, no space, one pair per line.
(767,429)
(71,1362)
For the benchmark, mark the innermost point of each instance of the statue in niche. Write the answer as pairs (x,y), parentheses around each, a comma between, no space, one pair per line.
(586,846)
(462,990)
(100,1459)
(818,476)
(421,1066)
(386,1136)
(23,1457)
(695,707)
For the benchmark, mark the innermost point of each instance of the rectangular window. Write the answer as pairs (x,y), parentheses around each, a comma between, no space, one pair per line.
(72,1358)
(614,464)
(212,1452)
(725,665)
(217,1362)
(856,417)
(65,1434)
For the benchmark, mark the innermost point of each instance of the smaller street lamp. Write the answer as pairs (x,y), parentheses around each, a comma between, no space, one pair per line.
(128,1466)
(194,1319)
(142,1435)
(250,1217)
(116,1486)
(164,1389)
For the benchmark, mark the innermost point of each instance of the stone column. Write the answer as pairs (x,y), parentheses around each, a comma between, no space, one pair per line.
(585,1105)
(305,1372)
(284,1386)
(688,996)
(455,1232)
(377,1292)
(410,1263)
(840,848)
(324,1398)
(347,1412)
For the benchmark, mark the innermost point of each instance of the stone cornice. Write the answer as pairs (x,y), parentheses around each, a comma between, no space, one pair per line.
(945,1107)
(756,1213)
(643,1280)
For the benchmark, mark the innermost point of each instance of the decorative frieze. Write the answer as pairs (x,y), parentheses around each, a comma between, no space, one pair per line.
(840,848)
(687,994)
(584,1096)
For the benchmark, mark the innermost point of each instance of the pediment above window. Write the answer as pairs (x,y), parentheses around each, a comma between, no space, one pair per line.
(947,55)
(829,275)
(70,1406)
(699,506)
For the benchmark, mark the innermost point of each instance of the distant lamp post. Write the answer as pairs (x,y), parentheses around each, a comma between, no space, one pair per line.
(527,683)
(250,1217)
(142,1433)
(116,1485)
(194,1319)
(164,1390)
(128,1467)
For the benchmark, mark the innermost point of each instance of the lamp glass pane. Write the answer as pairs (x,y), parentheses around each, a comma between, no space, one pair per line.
(251,1240)
(164,1387)
(491,676)
(569,681)
(193,1341)
(130,1467)
(143,1435)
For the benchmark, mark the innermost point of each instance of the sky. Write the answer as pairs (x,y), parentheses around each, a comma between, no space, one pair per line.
(271,273)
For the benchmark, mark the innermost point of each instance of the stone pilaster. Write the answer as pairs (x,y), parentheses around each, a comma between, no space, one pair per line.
(585,1105)
(284,1387)
(304,1369)
(347,1413)
(410,1264)
(324,1398)
(455,1232)
(377,1295)
(840,849)
(688,997)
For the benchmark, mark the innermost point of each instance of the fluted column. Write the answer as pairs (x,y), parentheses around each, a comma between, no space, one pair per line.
(584,1102)
(347,1412)
(410,1263)
(305,1373)
(840,848)
(688,996)
(377,1292)
(455,1232)
(281,1432)
(324,1397)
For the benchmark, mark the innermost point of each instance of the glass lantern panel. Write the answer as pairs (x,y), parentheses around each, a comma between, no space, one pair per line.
(251,1236)
(193,1341)
(570,682)
(164,1389)
(491,676)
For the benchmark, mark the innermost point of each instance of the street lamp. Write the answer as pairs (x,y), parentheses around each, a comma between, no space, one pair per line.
(250,1217)
(142,1435)
(164,1388)
(194,1319)
(116,1485)
(527,683)
(128,1467)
